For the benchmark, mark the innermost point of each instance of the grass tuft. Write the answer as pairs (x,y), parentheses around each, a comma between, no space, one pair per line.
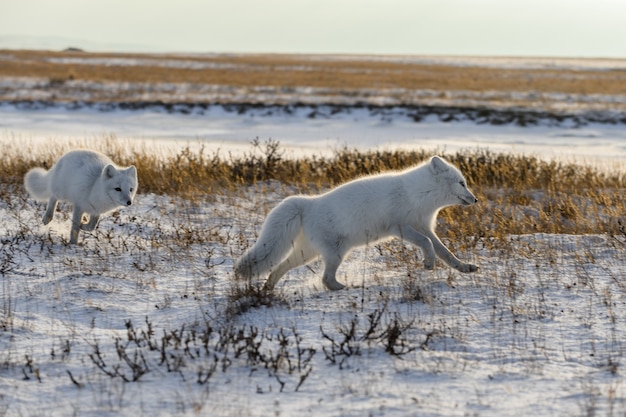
(518,194)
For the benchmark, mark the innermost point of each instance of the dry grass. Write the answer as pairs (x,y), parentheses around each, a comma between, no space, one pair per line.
(519,194)
(299,70)
(288,71)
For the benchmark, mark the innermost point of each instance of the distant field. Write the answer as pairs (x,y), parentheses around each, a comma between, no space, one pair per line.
(562,85)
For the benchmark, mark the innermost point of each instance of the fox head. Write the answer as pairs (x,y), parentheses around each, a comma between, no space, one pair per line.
(120,184)
(452,182)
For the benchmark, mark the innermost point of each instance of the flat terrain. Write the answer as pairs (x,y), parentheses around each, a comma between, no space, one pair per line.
(548,85)
(144,316)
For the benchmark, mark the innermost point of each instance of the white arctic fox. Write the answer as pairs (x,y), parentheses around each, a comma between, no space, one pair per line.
(88,180)
(403,205)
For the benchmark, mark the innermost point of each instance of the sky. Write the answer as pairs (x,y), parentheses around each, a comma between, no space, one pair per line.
(557,28)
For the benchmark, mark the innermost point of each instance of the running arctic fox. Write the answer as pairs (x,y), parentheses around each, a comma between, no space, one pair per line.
(403,205)
(88,180)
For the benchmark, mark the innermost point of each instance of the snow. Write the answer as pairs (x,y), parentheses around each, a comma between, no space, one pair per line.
(43,89)
(535,332)
(147,296)
(312,129)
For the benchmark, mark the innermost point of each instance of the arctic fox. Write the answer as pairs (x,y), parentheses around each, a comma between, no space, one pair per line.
(88,180)
(403,205)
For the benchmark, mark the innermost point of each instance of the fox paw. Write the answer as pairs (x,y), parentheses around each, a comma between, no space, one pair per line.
(467,268)
(333,285)
(46,218)
(429,265)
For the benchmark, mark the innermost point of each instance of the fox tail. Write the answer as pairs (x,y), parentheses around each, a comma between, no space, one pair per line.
(36,183)
(280,230)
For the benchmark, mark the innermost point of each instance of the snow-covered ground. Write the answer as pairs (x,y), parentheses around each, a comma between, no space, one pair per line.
(15,89)
(139,318)
(313,129)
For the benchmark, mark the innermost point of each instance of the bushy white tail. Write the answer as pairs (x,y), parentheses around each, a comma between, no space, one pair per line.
(280,230)
(36,183)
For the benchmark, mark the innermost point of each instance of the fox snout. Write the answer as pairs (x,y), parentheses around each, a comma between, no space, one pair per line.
(129,202)
(468,200)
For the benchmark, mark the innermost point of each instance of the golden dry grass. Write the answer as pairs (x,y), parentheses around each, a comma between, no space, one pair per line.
(518,194)
(301,70)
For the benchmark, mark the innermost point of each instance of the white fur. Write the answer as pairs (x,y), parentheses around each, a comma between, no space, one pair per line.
(403,205)
(88,180)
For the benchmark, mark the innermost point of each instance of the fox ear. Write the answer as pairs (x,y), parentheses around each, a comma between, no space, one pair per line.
(131,171)
(110,171)
(438,165)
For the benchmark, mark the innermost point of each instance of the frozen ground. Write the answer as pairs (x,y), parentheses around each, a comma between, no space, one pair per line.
(137,320)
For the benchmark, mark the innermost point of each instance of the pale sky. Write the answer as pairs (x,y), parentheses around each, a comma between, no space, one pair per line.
(572,28)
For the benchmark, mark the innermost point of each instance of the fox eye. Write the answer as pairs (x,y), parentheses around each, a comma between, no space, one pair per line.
(131,190)
(462,183)
(118,189)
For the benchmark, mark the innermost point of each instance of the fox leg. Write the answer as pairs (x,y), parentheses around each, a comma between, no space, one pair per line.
(50,209)
(410,234)
(331,264)
(300,255)
(77,220)
(447,256)
(91,225)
